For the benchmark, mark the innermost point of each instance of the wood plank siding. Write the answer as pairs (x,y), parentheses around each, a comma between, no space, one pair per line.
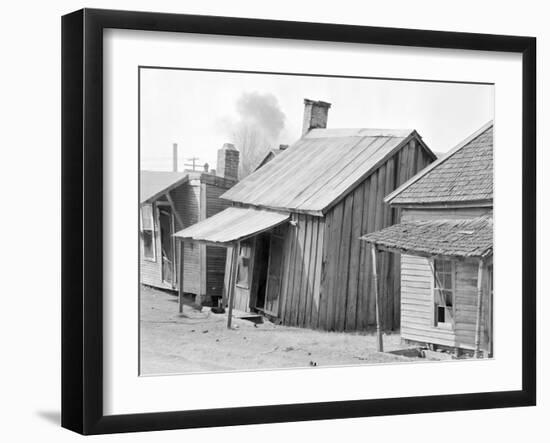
(204,267)
(417,297)
(327,279)
(215,256)
(186,202)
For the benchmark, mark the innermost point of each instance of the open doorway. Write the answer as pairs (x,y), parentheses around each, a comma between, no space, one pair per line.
(261,264)
(269,266)
(166,223)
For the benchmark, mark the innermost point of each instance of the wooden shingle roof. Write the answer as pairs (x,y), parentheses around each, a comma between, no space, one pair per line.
(446,238)
(319,169)
(464,175)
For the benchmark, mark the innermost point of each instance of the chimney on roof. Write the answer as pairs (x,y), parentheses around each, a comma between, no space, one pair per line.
(315,115)
(228,162)
(282,147)
(175,157)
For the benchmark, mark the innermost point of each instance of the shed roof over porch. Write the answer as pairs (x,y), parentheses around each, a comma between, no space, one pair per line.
(463,238)
(233,224)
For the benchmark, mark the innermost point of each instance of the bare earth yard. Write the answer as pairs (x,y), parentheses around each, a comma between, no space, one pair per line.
(196,341)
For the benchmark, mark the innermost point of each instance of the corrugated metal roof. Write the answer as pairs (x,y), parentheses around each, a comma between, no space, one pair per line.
(449,238)
(318,169)
(155,183)
(465,174)
(233,224)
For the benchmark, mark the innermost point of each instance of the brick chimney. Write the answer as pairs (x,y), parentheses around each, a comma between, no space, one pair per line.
(315,115)
(228,162)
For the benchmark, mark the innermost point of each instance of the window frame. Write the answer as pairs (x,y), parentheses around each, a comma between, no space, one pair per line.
(435,295)
(153,233)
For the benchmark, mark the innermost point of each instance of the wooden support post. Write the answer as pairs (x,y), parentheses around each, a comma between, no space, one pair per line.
(232,281)
(180,275)
(380,341)
(477,342)
(202,248)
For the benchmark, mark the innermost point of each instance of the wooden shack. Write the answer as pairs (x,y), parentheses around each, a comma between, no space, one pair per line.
(293,231)
(445,240)
(169,202)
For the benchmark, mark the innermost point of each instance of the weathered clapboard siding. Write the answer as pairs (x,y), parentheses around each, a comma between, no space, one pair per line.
(327,279)
(437,214)
(417,317)
(204,266)
(151,270)
(417,304)
(186,202)
(458,186)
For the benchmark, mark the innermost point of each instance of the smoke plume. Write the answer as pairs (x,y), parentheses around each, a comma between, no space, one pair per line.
(256,129)
(263,112)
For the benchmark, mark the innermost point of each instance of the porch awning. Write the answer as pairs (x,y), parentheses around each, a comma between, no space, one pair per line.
(233,224)
(471,238)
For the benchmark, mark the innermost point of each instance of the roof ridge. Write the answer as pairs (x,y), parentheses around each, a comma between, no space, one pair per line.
(439,161)
(359,132)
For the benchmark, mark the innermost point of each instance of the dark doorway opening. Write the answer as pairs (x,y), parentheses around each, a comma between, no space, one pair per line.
(269,264)
(261,259)
(166,223)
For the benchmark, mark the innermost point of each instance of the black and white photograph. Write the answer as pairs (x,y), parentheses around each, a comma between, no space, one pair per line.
(289,220)
(275,221)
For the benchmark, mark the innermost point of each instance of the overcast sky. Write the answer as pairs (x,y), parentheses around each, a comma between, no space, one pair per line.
(199,110)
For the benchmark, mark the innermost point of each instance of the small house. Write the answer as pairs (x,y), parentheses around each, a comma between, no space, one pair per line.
(293,229)
(171,201)
(445,241)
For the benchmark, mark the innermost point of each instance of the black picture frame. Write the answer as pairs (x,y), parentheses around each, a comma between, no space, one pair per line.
(82,215)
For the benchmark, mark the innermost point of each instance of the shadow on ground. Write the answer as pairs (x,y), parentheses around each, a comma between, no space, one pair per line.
(53,417)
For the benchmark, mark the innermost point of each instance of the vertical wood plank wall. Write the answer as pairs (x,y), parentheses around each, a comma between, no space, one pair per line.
(327,280)
(301,271)
(187,202)
(215,255)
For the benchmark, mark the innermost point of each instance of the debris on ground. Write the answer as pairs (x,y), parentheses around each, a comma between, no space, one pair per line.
(169,344)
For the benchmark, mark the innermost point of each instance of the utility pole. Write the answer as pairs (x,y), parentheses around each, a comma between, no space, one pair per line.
(194,161)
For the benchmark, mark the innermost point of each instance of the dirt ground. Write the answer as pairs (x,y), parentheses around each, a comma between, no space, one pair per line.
(199,341)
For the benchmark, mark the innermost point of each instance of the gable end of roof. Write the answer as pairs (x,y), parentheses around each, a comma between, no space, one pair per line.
(391,198)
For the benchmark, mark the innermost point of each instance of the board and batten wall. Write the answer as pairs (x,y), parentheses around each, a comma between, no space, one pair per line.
(299,301)
(417,296)
(327,276)
(213,261)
